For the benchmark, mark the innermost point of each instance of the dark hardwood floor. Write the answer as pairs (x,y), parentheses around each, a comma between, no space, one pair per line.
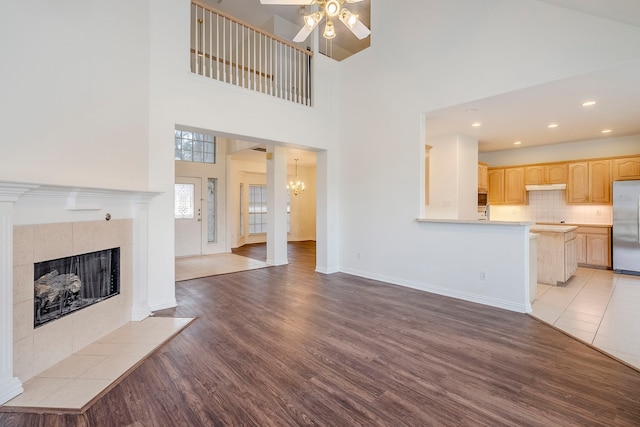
(285,346)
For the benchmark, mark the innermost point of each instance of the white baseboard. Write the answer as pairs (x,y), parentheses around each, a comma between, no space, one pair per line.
(427,287)
(170,303)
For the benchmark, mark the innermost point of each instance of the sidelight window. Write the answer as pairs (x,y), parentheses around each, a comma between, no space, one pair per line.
(257,209)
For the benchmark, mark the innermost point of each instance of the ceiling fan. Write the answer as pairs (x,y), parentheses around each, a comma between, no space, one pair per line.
(329,9)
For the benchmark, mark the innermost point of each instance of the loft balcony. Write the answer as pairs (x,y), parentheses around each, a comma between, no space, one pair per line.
(225,49)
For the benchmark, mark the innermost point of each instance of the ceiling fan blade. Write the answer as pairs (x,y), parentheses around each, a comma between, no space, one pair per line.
(354,24)
(354,1)
(302,34)
(287,2)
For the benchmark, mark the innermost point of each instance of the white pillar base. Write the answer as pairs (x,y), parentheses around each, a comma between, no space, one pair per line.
(9,388)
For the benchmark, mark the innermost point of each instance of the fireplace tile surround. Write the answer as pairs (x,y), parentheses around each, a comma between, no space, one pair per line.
(41,222)
(37,349)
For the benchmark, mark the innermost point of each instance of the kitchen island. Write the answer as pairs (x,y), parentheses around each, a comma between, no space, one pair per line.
(557,260)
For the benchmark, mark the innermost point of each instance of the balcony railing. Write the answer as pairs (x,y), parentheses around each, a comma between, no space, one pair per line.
(225,49)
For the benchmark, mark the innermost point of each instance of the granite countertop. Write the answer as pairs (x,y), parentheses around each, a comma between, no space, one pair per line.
(554,228)
(579,225)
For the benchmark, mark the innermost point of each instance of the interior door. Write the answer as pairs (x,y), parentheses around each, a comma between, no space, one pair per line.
(188,216)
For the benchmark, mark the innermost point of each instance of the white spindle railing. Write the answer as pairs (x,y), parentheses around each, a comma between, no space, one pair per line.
(225,49)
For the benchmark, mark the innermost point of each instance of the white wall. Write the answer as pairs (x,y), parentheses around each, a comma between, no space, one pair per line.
(75,93)
(303,206)
(464,50)
(453,177)
(177,96)
(602,147)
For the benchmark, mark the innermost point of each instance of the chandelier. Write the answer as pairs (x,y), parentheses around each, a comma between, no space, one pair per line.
(297,186)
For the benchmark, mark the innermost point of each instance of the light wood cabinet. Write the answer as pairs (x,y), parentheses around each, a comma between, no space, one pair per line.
(514,189)
(495,194)
(557,260)
(506,186)
(593,246)
(555,173)
(626,168)
(483,178)
(589,182)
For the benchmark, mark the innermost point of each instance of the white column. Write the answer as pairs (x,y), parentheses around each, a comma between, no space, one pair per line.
(277,206)
(326,215)
(140,309)
(10,386)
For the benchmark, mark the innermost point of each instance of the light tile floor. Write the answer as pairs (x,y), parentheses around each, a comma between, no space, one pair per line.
(210,265)
(78,379)
(598,307)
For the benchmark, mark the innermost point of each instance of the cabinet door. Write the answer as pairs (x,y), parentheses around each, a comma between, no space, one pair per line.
(581,248)
(483,179)
(627,168)
(496,186)
(600,181)
(534,175)
(598,250)
(514,190)
(556,174)
(578,183)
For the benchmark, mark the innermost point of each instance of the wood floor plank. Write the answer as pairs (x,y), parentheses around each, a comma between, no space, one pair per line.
(286,346)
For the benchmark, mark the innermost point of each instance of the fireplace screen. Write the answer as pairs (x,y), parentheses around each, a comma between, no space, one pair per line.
(64,285)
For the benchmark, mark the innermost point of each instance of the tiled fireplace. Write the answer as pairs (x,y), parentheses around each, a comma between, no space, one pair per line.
(40,223)
(37,348)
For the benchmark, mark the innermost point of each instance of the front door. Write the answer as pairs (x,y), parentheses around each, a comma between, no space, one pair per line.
(188,216)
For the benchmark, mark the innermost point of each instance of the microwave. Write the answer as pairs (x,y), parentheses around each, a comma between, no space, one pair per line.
(482,200)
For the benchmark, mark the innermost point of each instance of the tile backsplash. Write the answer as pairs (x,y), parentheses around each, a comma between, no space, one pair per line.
(550,206)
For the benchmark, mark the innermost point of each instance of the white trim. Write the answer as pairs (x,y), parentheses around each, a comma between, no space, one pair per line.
(168,303)
(493,302)
(10,386)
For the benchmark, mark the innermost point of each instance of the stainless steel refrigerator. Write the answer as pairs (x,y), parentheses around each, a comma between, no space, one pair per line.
(626,227)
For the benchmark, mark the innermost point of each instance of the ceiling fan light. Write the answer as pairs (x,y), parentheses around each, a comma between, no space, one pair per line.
(332,8)
(312,20)
(329,30)
(348,18)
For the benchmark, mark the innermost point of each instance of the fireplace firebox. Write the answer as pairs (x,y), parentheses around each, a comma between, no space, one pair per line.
(65,285)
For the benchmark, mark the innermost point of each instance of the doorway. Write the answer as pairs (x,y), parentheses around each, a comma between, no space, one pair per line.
(188,216)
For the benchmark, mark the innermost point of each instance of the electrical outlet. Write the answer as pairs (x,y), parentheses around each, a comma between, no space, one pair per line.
(483,275)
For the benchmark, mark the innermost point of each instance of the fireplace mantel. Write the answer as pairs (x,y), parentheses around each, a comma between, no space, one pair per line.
(24,203)
(76,197)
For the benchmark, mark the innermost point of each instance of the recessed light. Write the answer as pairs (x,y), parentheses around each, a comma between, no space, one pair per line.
(552,125)
(606,131)
(588,103)
(476,124)
(517,143)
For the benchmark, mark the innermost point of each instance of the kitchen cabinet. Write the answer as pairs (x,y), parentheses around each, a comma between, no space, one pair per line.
(553,173)
(514,189)
(495,194)
(589,182)
(626,168)
(483,178)
(593,246)
(557,253)
(506,186)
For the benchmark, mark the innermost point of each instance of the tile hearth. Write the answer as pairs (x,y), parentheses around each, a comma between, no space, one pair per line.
(76,381)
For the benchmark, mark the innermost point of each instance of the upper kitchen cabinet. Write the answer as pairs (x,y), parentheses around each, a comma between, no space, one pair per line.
(589,182)
(553,173)
(506,186)
(626,168)
(495,194)
(483,178)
